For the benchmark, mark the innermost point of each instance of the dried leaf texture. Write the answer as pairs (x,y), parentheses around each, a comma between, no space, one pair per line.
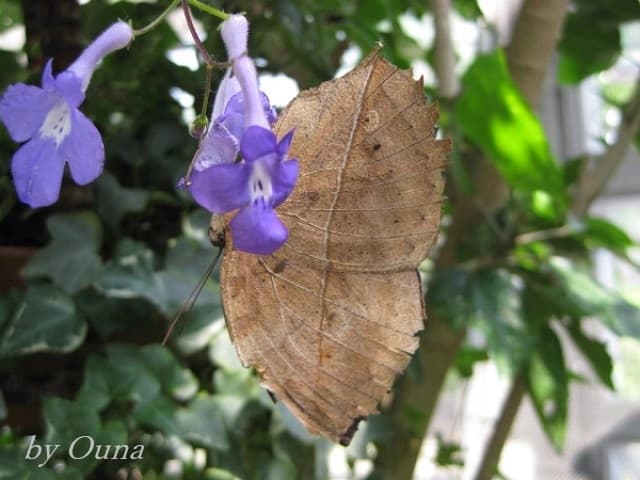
(329,320)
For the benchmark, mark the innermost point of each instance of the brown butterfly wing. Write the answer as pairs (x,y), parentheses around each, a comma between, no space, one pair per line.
(329,320)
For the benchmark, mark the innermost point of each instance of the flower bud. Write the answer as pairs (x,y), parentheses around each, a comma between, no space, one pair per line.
(199,126)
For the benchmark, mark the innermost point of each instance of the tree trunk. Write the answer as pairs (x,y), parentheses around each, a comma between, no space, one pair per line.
(533,43)
(538,30)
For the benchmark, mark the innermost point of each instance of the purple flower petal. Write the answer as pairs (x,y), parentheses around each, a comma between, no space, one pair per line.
(236,105)
(227,88)
(283,180)
(285,143)
(48,81)
(37,172)
(218,147)
(70,87)
(23,108)
(257,142)
(233,123)
(257,229)
(222,188)
(83,149)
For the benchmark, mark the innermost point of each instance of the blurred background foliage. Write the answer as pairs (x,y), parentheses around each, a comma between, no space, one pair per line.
(110,263)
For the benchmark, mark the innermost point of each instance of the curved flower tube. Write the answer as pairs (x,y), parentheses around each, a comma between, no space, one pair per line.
(54,129)
(265,176)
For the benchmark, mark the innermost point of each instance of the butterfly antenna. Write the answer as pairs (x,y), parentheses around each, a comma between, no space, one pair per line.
(193,296)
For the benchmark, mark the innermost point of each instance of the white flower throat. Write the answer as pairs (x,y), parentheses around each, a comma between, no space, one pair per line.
(260,184)
(57,124)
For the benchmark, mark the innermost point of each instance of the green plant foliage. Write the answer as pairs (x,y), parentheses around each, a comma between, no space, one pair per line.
(71,259)
(116,259)
(494,115)
(43,320)
(595,352)
(489,300)
(548,383)
(591,37)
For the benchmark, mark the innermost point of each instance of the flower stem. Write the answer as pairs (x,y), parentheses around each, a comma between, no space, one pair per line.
(207,89)
(157,21)
(209,9)
(194,34)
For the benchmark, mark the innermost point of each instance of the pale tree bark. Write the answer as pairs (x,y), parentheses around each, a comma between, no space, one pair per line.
(598,171)
(537,32)
(445,55)
(501,429)
(535,36)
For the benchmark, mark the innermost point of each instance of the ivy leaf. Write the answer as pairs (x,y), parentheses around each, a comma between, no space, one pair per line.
(67,421)
(70,260)
(44,320)
(493,114)
(548,384)
(131,274)
(114,200)
(202,423)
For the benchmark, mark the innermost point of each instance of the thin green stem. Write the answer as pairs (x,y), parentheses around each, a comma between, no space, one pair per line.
(157,21)
(207,90)
(209,9)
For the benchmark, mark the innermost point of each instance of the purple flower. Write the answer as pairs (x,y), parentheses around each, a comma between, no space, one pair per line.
(221,144)
(264,177)
(54,130)
(257,185)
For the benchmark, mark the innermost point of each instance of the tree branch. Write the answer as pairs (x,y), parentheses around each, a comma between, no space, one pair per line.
(596,174)
(501,429)
(445,57)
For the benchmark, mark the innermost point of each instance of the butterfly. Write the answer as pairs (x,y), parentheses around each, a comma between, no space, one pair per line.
(329,320)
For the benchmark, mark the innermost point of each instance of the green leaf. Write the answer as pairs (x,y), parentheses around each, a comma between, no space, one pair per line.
(591,37)
(599,232)
(587,47)
(279,469)
(202,423)
(177,381)
(466,358)
(138,375)
(200,324)
(108,316)
(578,295)
(131,274)
(114,201)
(469,9)
(13,465)
(548,384)
(448,453)
(67,421)
(219,474)
(70,259)
(45,320)
(489,300)
(223,353)
(595,352)
(494,115)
